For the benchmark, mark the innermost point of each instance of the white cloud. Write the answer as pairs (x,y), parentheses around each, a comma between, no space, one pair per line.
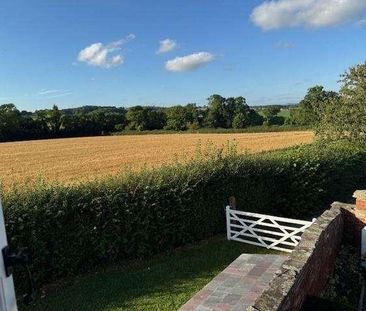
(284,45)
(52,93)
(47,91)
(117,60)
(166,45)
(277,14)
(189,62)
(98,54)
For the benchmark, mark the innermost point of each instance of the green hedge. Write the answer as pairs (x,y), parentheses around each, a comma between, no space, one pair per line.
(70,229)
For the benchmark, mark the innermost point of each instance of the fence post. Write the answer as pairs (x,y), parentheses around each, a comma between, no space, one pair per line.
(228,233)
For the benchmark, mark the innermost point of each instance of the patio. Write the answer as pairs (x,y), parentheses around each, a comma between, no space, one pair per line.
(239,285)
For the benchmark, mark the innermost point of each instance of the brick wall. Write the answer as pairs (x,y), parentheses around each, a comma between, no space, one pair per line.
(306,271)
(309,266)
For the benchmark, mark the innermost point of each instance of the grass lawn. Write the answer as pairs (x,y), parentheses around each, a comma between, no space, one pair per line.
(163,283)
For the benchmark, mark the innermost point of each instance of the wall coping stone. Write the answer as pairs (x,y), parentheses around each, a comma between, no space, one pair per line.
(360,194)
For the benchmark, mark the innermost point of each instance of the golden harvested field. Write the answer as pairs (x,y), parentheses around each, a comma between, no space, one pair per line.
(75,159)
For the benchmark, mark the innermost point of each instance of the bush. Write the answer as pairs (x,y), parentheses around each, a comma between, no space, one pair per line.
(70,229)
(345,284)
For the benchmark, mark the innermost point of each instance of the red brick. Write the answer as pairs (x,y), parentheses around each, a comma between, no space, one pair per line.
(361,204)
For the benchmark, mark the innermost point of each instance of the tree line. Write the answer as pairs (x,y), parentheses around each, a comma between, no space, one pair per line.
(53,123)
(220,112)
(333,115)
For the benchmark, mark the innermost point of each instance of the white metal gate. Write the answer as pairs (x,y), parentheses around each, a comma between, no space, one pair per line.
(267,231)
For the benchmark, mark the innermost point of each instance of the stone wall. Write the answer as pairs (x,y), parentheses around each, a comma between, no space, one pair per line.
(306,271)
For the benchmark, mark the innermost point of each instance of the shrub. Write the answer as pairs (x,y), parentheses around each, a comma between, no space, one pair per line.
(345,284)
(72,228)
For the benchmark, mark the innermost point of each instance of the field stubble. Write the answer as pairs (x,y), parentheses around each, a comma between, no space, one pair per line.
(78,159)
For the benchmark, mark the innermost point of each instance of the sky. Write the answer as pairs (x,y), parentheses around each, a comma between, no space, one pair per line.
(166,52)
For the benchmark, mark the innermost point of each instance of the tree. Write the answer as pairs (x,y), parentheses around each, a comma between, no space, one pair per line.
(30,128)
(310,108)
(50,121)
(230,112)
(255,118)
(145,118)
(194,116)
(235,106)
(176,118)
(179,118)
(10,120)
(344,117)
(137,118)
(156,119)
(241,120)
(55,120)
(270,116)
(222,111)
(270,112)
(74,125)
(216,116)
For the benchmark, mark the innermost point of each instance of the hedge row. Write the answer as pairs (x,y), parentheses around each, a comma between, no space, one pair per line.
(70,229)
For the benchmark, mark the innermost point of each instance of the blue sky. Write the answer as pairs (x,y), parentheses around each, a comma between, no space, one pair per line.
(74,53)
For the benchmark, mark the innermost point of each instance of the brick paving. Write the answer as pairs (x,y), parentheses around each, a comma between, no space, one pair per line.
(238,286)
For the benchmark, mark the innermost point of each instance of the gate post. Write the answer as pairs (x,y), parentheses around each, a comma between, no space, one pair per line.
(228,233)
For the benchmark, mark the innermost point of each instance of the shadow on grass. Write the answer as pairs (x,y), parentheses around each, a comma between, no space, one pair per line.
(164,283)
